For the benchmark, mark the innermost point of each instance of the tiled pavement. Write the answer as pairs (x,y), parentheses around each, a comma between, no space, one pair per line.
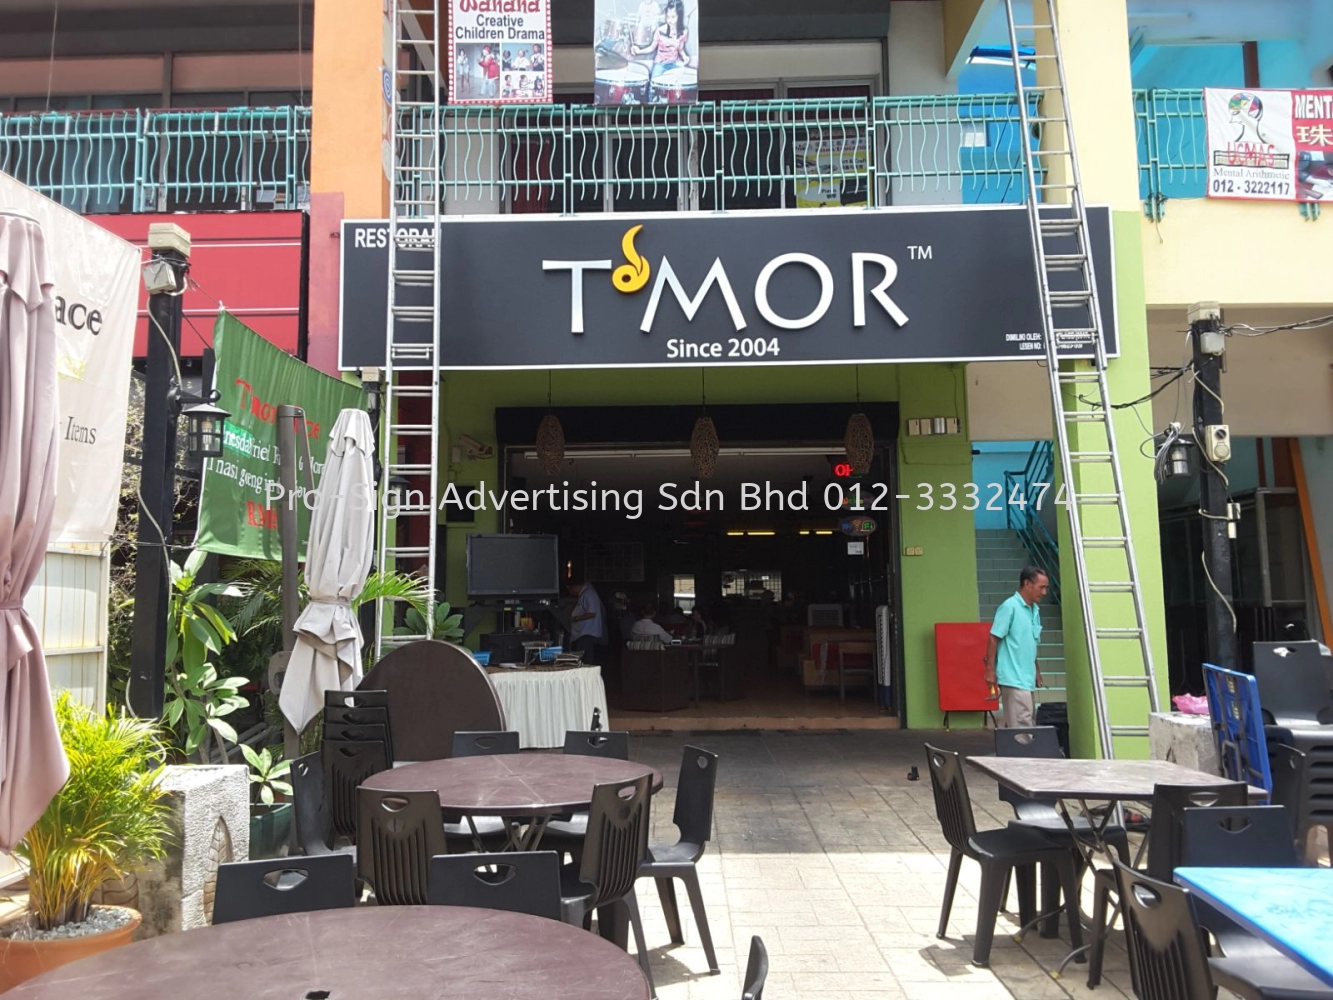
(823,847)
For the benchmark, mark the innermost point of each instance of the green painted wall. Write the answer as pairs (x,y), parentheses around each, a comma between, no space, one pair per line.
(1128,379)
(939,585)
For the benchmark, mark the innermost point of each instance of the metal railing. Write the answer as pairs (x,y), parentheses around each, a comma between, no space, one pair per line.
(1033,485)
(713,156)
(731,155)
(162,161)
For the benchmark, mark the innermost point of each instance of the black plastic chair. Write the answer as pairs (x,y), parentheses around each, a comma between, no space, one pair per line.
(314,824)
(1164,840)
(522,882)
(248,889)
(480,831)
(615,848)
(359,708)
(1168,959)
(367,698)
(997,851)
(480,744)
(1166,952)
(400,833)
(694,819)
(346,765)
(1224,837)
(1303,782)
(756,970)
(356,715)
(613,744)
(1293,684)
(1042,815)
(566,833)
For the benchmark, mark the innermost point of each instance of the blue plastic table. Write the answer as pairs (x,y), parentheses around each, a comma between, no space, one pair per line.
(1290,908)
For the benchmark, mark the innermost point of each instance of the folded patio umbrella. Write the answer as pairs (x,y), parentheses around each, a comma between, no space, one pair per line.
(327,654)
(33,765)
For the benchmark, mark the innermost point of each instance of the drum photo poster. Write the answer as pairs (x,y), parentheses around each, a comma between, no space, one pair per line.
(646,51)
(500,51)
(1270,145)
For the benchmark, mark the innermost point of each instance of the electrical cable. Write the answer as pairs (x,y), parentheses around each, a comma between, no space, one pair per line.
(175,361)
(1233,329)
(1203,558)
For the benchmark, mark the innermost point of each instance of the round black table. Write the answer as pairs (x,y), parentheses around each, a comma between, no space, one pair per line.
(364,953)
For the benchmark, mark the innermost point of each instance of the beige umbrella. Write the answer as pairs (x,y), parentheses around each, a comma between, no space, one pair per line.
(33,765)
(327,654)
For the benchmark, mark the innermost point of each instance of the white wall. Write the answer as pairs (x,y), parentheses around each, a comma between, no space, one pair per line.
(1008,401)
(68,605)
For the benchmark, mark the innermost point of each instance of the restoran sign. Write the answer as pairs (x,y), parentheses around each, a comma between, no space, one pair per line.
(862,286)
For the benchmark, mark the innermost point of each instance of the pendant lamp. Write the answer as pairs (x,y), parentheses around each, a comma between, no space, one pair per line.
(550,437)
(859,438)
(704,445)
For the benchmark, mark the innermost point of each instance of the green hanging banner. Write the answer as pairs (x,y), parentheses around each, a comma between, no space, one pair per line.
(242,492)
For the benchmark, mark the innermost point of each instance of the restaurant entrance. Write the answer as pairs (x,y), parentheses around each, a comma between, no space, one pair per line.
(764,572)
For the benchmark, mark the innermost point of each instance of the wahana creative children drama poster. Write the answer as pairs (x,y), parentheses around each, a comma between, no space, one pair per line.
(500,51)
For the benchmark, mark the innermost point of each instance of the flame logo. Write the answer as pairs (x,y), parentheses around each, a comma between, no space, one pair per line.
(629,278)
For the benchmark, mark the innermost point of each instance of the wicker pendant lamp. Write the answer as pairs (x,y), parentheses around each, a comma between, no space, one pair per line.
(704,445)
(859,439)
(550,437)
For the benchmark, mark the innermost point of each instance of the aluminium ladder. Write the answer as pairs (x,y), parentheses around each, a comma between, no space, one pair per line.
(1106,572)
(413,305)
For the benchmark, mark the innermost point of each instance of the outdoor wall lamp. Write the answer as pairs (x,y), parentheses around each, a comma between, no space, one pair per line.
(204,432)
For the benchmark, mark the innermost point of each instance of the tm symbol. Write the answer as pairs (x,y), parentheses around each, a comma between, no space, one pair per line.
(920,253)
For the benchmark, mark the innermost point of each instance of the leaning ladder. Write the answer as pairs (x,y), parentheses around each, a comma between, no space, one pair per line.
(411,487)
(1112,602)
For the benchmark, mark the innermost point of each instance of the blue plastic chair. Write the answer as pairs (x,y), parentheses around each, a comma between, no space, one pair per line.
(1238,725)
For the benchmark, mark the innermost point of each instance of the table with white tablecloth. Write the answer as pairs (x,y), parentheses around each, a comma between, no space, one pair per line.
(542,705)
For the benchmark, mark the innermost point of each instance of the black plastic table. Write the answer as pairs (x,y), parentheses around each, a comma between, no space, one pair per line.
(365,953)
(534,786)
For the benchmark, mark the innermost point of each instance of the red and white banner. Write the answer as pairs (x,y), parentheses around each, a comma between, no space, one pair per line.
(1270,145)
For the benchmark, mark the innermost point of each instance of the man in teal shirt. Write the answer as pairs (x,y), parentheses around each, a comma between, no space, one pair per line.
(1011,655)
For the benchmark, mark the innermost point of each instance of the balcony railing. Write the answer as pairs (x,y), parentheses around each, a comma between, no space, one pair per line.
(162,161)
(714,156)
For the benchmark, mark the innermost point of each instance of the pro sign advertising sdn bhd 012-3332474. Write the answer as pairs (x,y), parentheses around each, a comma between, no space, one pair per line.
(833,287)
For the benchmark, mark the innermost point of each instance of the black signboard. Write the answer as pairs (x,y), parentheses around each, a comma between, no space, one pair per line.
(942,283)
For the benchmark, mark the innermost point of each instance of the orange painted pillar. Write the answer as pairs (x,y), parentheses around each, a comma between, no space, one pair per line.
(347,179)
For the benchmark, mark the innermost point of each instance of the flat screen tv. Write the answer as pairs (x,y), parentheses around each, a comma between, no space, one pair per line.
(513,565)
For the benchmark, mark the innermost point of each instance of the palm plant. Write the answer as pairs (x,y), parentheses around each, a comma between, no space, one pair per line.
(107,820)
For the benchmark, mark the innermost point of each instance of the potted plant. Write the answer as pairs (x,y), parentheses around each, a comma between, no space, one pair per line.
(107,821)
(270,820)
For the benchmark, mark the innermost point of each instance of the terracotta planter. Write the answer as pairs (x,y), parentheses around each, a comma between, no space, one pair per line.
(23,960)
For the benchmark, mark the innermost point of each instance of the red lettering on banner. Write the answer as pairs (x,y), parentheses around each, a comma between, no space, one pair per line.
(257,516)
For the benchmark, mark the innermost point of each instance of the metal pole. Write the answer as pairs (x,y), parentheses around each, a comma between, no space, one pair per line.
(1214,503)
(289,417)
(157,485)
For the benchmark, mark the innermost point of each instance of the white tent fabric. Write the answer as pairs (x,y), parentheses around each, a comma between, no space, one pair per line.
(327,654)
(33,765)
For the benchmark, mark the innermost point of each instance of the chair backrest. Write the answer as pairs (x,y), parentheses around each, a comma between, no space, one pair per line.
(368,708)
(522,882)
(756,970)
(377,733)
(399,833)
(435,689)
(1035,741)
(614,744)
(248,889)
(694,795)
(1166,832)
(617,839)
(1292,786)
(1167,960)
(368,697)
(482,744)
(1238,725)
(1293,683)
(346,765)
(953,805)
(356,715)
(314,823)
(1230,836)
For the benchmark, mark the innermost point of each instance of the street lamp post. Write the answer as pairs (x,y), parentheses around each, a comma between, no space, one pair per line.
(165,401)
